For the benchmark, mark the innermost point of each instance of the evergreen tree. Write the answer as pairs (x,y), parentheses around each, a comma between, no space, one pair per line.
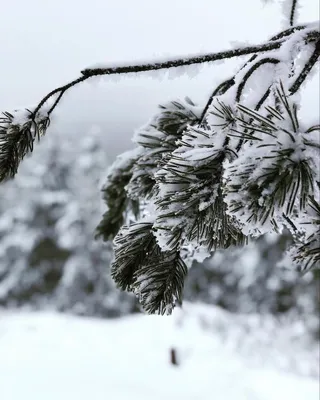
(205,179)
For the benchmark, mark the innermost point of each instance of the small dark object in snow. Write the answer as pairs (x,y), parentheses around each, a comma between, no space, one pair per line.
(173,357)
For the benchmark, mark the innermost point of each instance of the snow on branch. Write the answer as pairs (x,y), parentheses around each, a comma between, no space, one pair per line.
(246,167)
(208,192)
(180,62)
(307,68)
(205,179)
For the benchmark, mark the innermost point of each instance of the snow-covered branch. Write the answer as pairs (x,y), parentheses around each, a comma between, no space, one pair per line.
(202,179)
(274,43)
(306,69)
(155,65)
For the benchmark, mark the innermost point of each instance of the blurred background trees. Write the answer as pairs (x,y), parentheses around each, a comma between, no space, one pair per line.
(48,255)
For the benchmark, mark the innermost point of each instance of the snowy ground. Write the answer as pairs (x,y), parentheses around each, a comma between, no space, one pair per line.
(47,356)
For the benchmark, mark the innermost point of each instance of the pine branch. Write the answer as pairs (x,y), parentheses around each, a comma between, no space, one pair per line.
(131,179)
(226,85)
(278,184)
(116,199)
(132,245)
(250,71)
(218,91)
(307,255)
(60,91)
(159,283)
(156,277)
(185,61)
(246,134)
(17,138)
(295,86)
(171,121)
(203,186)
(274,43)
(125,69)
(35,118)
(190,208)
(288,32)
(159,139)
(142,185)
(305,252)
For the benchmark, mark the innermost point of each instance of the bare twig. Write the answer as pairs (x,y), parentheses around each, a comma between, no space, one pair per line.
(307,68)
(219,90)
(293,11)
(257,65)
(61,90)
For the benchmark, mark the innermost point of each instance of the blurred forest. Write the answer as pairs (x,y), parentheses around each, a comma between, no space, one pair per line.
(50,259)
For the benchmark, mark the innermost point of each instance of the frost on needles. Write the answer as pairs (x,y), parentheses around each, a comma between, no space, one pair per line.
(202,179)
(211,185)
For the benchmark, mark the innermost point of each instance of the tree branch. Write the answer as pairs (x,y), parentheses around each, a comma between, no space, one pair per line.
(257,65)
(288,32)
(180,62)
(293,11)
(230,82)
(88,73)
(61,90)
(274,43)
(257,108)
(56,102)
(223,88)
(307,68)
(226,85)
(219,90)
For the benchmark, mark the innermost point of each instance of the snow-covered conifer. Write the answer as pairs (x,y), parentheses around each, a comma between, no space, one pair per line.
(202,179)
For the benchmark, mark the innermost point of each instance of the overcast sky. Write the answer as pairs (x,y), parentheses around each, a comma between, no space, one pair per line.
(45,43)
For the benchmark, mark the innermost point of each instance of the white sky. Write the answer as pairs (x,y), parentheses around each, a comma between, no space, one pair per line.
(45,43)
